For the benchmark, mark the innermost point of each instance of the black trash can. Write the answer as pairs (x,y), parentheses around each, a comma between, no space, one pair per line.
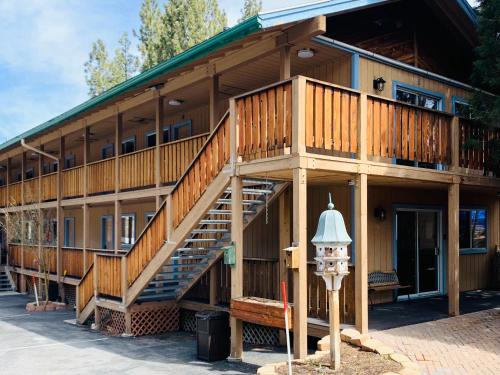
(212,335)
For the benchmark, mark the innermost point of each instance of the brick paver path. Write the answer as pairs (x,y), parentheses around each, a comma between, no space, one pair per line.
(467,344)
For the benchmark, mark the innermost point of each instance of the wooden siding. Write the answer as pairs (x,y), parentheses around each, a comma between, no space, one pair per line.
(31,191)
(370,70)
(109,271)
(137,169)
(85,289)
(49,187)
(4,198)
(72,262)
(337,71)
(15,193)
(14,253)
(101,176)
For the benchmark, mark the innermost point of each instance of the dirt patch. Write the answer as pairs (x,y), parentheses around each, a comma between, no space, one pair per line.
(353,362)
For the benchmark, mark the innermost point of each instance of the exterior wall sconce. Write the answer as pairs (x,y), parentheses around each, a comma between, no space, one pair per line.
(379,84)
(175,102)
(305,53)
(331,241)
(380,213)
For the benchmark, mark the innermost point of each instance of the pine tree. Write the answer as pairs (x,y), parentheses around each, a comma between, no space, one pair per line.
(149,35)
(486,75)
(250,8)
(189,22)
(124,64)
(97,74)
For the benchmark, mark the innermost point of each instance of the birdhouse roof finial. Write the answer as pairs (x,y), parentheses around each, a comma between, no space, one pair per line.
(330,205)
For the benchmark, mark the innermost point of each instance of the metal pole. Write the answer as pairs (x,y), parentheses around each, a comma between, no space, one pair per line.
(333,299)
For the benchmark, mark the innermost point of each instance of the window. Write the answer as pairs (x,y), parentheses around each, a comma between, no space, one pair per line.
(148,217)
(69,232)
(461,107)
(128,230)
(177,131)
(30,173)
(418,97)
(49,168)
(473,228)
(166,134)
(29,232)
(151,139)
(69,161)
(128,145)
(107,151)
(107,232)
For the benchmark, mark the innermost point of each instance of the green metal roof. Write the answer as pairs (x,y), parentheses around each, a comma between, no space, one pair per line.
(220,40)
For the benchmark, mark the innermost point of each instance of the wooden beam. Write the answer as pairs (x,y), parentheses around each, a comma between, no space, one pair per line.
(214,101)
(298,115)
(85,234)
(284,236)
(117,225)
(86,155)
(237,269)
(453,250)
(300,274)
(285,63)
(361,262)
(363,125)
(158,130)
(118,147)
(454,143)
(303,31)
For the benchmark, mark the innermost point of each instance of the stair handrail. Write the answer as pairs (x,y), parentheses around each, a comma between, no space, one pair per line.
(82,280)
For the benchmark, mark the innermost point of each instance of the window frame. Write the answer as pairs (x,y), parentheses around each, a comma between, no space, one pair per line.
(103,239)
(146,136)
(69,158)
(29,170)
(460,100)
(418,90)
(173,130)
(107,147)
(69,220)
(134,230)
(129,139)
(475,250)
(146,215)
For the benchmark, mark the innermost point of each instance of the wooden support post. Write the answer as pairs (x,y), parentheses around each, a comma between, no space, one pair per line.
(453,250)
(118,147)
(60,215)
(213,285)
(300,274)
(86,154)
(169,228)
(214,101)
(85,234)
(299,116)
(334,315)
(454,143)
(128,323)
(361,262)
(237,269)
(284,237)
(285,63)
(117,224)
(363,124)
(158,122)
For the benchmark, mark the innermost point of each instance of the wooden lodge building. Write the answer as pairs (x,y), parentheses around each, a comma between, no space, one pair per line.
(238,141)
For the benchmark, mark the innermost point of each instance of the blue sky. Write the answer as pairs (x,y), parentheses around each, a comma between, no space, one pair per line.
(44,44)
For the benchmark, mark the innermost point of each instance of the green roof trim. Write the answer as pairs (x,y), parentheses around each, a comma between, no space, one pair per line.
(220,40)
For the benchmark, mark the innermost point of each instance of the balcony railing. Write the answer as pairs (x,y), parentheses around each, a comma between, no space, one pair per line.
(72,182)
(101,176)
(49,187)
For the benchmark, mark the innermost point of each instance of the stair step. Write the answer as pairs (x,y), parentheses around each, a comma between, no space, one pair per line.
(206,248)
(228,212)
(247,181)
(192,240)
(157,297)
(184,265)
(244,201)
(202,231)
(191,257)
(175,273)
(171,281)
(161,289)
(251,191)
(214,221)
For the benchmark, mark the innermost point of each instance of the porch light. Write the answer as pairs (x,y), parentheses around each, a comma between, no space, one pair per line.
(380,213)
(175,102)
(305,53)
(379,84)
(331,241)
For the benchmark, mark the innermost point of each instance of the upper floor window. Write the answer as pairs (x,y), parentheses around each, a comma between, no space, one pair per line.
(177,131)
(473,229)
(128,145)
(418,96)
(461,108)
(107,151)
(148,217)
(151,139)
(69,231)
(69,161)
(49,168)
(30,173)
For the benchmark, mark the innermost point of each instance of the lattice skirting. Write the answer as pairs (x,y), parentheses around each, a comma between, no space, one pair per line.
(143,321)
(154,320)
(252,333)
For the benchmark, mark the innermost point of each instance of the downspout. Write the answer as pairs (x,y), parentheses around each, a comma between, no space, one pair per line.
(34,149)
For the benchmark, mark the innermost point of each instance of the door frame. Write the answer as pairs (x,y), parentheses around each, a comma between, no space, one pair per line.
(103,230)
(441,210)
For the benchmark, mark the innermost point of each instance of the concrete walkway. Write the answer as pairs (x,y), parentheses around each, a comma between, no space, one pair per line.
(467,344)
(41,343)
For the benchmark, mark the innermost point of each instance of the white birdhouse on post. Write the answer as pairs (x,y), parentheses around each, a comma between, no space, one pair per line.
(331,241)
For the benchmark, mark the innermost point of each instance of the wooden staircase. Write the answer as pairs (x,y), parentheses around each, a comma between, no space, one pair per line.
(184,238)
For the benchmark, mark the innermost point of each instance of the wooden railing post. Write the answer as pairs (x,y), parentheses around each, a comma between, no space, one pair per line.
(454,143)
(361,261)
(158,122)
(169,212)
(97,313)
(363,126)
(233,135)
(298,115)
(453,269)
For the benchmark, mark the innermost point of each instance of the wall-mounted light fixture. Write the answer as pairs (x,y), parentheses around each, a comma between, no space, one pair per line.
(380,213)
(379,84)
(305,53)
(175,102)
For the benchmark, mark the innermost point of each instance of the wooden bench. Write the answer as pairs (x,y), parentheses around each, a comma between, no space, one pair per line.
(382,281)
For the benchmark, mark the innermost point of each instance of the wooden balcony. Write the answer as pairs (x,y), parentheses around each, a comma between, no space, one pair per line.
(137,169)
(72,262)
(49,187)
(72,182)
(101,176)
